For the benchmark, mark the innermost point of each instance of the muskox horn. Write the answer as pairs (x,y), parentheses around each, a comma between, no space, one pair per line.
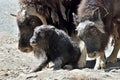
(14,15)
(32,11)
(40,17)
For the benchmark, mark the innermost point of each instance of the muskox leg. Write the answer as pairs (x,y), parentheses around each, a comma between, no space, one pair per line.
(41,66)
(57,63)
(42,56)
(113,57)
(97,64)
(103,60)
(82,59)
(100,61)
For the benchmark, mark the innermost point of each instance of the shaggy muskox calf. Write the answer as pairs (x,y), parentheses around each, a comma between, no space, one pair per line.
(94,24)
(56,46)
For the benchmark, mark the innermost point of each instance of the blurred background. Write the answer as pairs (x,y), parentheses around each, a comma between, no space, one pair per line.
(8,22)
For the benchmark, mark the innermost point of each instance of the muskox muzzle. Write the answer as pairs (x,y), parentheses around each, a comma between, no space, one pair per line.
(33,42)
(25,49)
(24,45)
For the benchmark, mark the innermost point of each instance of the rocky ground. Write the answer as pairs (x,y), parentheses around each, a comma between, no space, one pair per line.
(15,65)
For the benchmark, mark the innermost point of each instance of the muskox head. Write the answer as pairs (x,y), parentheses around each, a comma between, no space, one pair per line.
(26,25)
(90,29)
(41,35)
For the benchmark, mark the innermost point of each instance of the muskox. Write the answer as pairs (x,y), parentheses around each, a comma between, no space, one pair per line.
(94,21)
(56,46)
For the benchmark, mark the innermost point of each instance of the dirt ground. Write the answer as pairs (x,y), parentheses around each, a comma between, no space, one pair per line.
(15,65)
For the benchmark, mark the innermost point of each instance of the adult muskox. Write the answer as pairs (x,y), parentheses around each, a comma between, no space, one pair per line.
(56,46)
(53,12)
(94,22)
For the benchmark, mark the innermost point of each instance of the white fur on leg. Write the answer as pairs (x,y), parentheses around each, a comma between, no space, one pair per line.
(97,64)
(103,60)
(100,60)
(82,59)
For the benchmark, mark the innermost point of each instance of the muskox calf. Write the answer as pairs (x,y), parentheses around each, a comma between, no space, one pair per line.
(94,24)
(56,46)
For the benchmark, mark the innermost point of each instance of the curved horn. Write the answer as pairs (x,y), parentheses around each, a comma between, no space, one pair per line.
(32,11)
(14,15)
(40,17)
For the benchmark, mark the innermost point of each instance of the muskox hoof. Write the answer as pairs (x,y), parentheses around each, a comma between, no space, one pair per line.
(57,67)
(116,64)
(109,64)
(100,64)
(69,67)
(99,67)
(111,60)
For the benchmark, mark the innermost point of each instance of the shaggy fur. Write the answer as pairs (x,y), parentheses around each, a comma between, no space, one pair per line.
(57,46)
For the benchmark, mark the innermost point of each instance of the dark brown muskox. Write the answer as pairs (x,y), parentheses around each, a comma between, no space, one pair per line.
(94,22)
(56,46)
(53,12)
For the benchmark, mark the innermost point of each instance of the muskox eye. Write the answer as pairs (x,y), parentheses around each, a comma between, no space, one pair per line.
(93,31)
(33,23)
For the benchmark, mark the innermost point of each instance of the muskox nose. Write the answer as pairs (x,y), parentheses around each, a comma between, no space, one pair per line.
(32,42)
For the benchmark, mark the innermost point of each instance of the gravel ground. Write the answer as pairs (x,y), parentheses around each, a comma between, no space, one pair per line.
(15,65)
